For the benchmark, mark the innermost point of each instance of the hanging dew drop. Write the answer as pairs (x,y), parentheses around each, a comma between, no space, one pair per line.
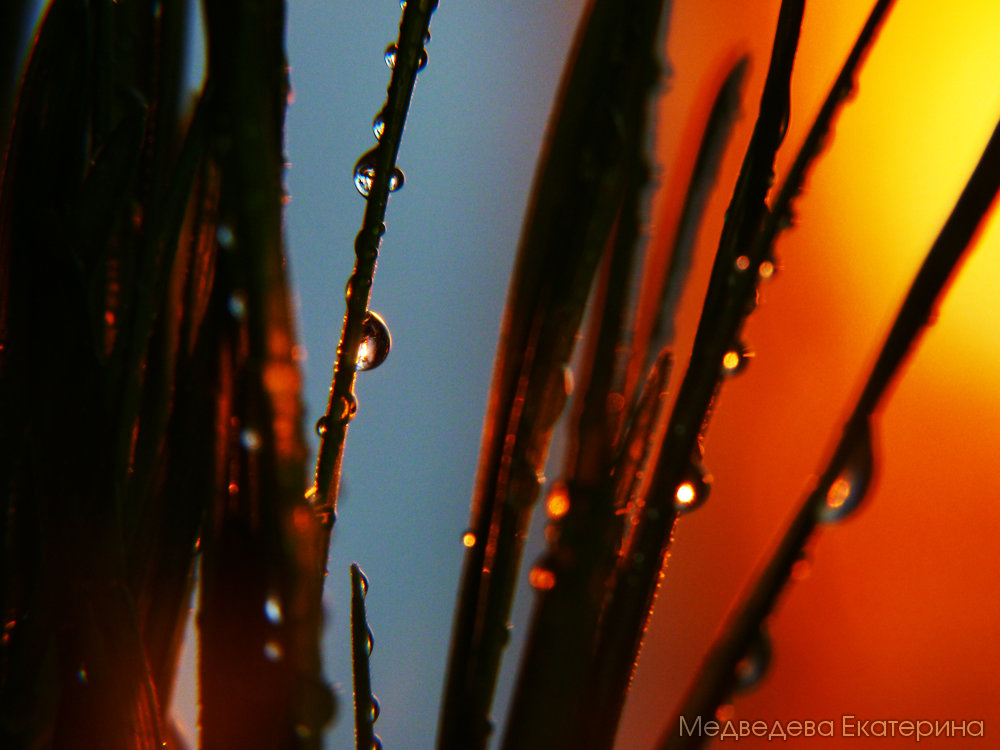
(848,490)
(375,342)
(736,359)
(370,640)
(364,175)
(344,408)
(751,668)
(321,427)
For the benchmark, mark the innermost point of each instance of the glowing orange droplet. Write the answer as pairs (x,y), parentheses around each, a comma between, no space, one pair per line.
(766,269)
(742,263)
(542,579)
(685,494)
(731,359)
(469,539)
(838,493)
(557,504)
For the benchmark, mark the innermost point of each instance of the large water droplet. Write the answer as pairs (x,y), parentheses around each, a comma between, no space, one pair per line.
(848,490)
(542,578)
(376,710)
(364,175)
(751,668)
(692,492)
(376,743)
(364,582)
(375,342)
(392,52)
(370,640)
(469,539)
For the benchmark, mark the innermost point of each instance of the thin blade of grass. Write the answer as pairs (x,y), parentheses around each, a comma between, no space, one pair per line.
(361,645)
(342,403)
(634,585)
(716,677)
(582,174)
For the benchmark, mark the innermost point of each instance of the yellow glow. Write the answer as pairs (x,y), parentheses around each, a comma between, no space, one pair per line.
(469,539)
(685,494)
(557,504)
(766,269)
(731,360)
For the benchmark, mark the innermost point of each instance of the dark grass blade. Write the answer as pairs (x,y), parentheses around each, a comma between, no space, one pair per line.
(634,586)
(582,175)
(361,649)
(343,404)
(716,676)
(584,541)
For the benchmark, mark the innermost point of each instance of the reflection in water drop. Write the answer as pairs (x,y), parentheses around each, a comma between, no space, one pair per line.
(751,668)
(375,342)
(848,490)
(345,408)
(469,539)
(692,492)
(376,710)
(272,651)
(767,270)
(378,126)
(392,51)
(364,174)
(237,304)
(321,426)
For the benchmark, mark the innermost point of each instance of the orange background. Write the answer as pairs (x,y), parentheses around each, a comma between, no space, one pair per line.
(899,617)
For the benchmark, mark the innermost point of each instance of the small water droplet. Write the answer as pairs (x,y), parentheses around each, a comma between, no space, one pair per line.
(321,426)
(848,490)
(376,743)
(692,492)
(310,496)
(364,582)
(469,539)
(736,359)
(345,408)
(542,578)
(557,503)
(376,710)
(392,52)
(568,382)
(272,610)
(767,270)
(237,304)
(751,668)
(375,342)
(364,175)
(370,640)
(225,237)
(378,126)
(250,440)
(742,263)
(81,675)
(272,651)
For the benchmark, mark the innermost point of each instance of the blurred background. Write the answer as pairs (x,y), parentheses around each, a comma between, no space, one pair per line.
(898,614)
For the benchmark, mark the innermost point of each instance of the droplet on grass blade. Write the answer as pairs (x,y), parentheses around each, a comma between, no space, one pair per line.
(375,342)
(542,578)
(272,610)
(250,440)
(364,175)
(469,539)
(692,492)
(848,490)
(751,668)
(392,52)
(736,359)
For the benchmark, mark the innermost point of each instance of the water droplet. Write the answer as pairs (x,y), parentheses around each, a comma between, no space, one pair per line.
(375,342)
(364,175)
(568,382)
(542,578)
(378,126)
(345,408)
(81,675)
(767,270)
(392,52)
(225,237)
(736,359)
(848,490)
(237,304)
(751,668)
(469,539)
(311,493)
(272,651)
(370,640)
(272,610)
(250,440)
(364,582)
(692,492)
(376,710)
(557,503)
(321,426)
(376,743)
(742,263)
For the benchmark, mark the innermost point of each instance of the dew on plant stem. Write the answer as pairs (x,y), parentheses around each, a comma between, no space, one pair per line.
(344,408)
(272,651)
(378,125)
(375,342)
(848,490)
(767,270)
(469,539)
(392,51)
(225,237)
(370,640)
(542,578)
(250,440)
(321,426)
(364,174)
(751,668)
(557,503)
(364,582)
(736,359)
(692,492)
(742,263)
(376,710)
